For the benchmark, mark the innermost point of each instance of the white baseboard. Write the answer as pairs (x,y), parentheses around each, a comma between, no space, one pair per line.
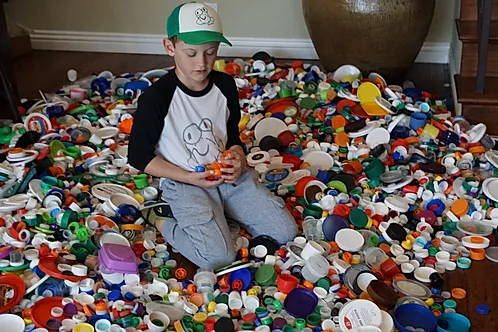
(453,72)
(286,48)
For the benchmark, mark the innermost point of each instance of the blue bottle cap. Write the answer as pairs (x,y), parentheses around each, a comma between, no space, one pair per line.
(114,295)
(482,309)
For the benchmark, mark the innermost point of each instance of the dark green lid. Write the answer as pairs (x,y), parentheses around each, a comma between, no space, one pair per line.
(314,319)
(222,298)
(358,218)
(308,103)
(324,283)
(265,274)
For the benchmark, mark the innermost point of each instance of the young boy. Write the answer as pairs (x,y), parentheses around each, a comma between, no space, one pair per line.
(190,118)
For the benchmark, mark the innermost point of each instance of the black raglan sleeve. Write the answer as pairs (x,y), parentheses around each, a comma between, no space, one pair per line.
(227,86)
(148,123)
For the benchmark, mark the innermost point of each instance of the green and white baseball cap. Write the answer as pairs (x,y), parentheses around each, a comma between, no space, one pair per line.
(195,24)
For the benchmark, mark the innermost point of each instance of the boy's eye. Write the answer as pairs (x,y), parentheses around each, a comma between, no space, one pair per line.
(210,53)
(191,55)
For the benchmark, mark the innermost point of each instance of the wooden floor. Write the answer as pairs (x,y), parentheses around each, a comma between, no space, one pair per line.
(46,71)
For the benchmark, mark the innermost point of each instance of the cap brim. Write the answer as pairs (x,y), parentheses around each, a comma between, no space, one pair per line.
(202,37)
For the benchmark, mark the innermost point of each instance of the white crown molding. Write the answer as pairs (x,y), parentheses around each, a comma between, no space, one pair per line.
(286,48)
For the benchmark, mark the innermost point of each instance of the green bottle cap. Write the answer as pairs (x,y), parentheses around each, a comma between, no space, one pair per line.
(287,328)
(199,327)
(278,305)
(324,283)
(358,218)
(222,298)
(308,103)
(436,306)
(267,320)
(313,210)
(314,319)
(300,324)
(265,275)
(268,300)
(247,326)
(374,240)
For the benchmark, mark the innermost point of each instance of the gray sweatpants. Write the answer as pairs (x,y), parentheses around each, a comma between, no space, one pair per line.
(200,230)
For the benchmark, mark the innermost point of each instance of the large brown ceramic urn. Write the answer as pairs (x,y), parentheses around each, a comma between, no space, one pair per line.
(384,36)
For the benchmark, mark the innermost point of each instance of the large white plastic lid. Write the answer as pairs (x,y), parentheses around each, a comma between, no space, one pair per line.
(423,274)
(358,313)
(11,323)
(397,203)
(349,240)
(269,127)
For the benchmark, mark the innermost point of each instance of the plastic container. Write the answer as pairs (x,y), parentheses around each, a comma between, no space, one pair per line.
(453,322)
(374,257)
(415,316)
(118,258)
(205,280)
(310,228)
(315,268)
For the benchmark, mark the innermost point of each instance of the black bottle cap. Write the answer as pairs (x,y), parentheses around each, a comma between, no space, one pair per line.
(224,324)
(434,168)
(396,232)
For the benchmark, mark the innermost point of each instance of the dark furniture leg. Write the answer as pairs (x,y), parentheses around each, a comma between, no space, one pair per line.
(484,24)
(8,87)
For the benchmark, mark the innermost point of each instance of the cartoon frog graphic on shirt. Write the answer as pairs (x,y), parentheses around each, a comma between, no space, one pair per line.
(202,143)
(203,17)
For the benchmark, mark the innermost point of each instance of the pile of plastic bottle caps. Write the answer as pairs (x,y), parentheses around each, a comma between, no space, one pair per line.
(390,189)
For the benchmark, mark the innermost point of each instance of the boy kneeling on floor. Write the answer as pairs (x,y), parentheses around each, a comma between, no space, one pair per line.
(189,118)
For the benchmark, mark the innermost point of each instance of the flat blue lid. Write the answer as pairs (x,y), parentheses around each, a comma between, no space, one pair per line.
(483,309)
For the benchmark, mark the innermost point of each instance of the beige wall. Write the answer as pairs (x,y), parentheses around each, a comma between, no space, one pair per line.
(254,18)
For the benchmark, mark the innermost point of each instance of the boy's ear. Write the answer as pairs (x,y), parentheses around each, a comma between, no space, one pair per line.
(169,47)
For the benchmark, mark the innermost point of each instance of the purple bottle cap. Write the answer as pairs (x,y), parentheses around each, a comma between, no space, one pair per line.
(300,302)
(429,216)
(70,309)
(53,324)
(279,323)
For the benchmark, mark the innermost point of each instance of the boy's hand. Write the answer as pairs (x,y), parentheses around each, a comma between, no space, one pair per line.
(238,162)
(199,179)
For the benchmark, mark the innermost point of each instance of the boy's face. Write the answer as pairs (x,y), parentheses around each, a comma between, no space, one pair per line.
(194,61)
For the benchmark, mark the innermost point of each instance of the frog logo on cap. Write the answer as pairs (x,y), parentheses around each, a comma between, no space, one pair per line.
(203,17)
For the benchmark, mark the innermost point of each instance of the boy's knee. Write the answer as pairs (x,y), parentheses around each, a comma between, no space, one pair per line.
(216,259)
(285,231)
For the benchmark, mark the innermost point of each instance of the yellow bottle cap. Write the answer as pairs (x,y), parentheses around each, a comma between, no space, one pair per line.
(211,306)
(200,317)
(84,327)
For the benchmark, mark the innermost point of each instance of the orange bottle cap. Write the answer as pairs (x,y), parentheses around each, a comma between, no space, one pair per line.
(342,139)
(338,121)
(477,254)
(460,207)
(458,293)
